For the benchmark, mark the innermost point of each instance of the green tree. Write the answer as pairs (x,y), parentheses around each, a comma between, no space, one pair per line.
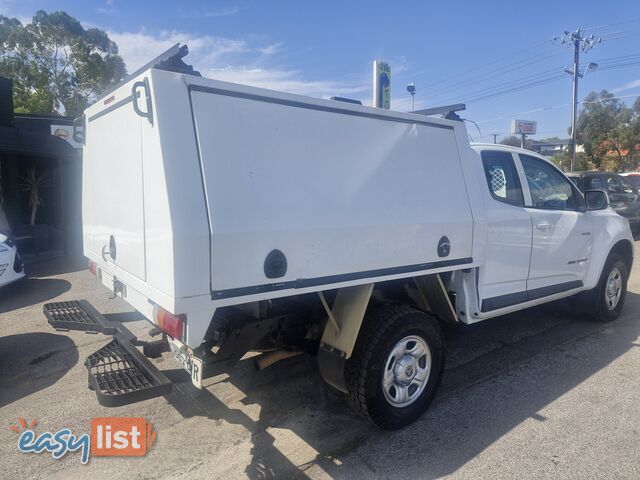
(515,141)
(606,125)
(56,64)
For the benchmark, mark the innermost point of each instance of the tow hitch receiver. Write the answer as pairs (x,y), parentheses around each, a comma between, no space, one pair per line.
(119,373)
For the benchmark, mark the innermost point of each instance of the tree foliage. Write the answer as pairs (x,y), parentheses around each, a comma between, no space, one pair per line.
(56,64)
(515,141)
(608,129)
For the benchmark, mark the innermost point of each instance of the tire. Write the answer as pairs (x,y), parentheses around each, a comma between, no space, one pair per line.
(387,338)
(608,307)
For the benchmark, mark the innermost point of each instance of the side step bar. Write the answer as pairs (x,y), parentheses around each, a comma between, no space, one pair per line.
(119,373)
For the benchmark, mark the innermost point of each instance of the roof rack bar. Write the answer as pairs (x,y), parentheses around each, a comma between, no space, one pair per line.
(163,56)
(444,110)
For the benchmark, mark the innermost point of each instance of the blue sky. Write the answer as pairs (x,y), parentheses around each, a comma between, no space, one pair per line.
(453,51)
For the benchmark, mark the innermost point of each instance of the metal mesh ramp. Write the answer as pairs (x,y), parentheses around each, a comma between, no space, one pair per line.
(120,375)
(72,315)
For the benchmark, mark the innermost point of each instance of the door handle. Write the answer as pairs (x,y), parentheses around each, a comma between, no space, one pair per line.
(545,227)
(144,84)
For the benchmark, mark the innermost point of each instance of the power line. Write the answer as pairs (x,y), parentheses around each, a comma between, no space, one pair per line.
(522,84)
(599,27)
(553,107)
(604,62)
(472,81)
(510,83)
(485,65)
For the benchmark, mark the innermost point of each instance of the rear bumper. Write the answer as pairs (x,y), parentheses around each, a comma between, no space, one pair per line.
(119,373)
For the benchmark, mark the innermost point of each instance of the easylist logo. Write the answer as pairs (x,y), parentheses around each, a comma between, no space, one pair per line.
(129,437)
(110,436)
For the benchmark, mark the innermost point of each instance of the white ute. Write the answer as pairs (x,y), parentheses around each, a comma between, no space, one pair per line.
(238,219)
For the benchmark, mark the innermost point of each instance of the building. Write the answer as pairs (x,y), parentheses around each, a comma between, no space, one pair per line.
(39,163)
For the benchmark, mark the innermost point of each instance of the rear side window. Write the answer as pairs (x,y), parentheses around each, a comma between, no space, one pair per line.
(502,177)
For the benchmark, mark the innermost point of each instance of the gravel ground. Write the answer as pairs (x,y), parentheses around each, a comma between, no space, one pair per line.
(543,393)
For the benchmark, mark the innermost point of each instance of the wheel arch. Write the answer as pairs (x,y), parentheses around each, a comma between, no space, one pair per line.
(624,248)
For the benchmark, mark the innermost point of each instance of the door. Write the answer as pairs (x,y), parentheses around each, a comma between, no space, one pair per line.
(112,190)
(503,278)
(561,241)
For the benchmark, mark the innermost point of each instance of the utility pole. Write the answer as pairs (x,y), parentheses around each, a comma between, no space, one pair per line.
(495,137)
(579,43)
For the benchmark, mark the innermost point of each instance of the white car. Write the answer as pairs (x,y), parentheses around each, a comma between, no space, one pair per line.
(11,268)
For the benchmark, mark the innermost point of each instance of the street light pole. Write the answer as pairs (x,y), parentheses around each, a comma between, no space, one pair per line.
(411,88)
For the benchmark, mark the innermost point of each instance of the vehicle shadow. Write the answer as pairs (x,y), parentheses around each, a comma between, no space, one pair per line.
(25,367)
(30,291)
(56,265)
(293,398)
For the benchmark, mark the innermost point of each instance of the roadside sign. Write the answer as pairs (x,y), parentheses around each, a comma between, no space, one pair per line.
(65,132)
(381,84)
(524,127)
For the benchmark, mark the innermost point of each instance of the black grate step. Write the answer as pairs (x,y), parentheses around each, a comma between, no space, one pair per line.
(75,315)
(120,375)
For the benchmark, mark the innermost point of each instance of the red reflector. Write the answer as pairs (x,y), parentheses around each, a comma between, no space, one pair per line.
(109,100)
(172,325)
(92,267)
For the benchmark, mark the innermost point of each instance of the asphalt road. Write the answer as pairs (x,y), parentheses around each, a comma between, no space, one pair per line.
(544,393)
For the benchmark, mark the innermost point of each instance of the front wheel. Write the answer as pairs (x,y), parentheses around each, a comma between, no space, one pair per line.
(611,290)
(396,366)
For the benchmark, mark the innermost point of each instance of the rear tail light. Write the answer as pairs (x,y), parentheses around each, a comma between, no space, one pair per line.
(172,325)
(93,267)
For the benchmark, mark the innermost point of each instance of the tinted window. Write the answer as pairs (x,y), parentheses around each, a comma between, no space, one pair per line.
(577,181)
(634,180)
(502,177)
(596,183)
(549,188)
(614,185)
(618,184)
(626,185)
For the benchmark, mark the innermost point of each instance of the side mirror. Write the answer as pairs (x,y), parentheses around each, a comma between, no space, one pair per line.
(596,199)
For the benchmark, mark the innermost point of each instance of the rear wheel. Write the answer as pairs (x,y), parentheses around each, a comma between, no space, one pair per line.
(396,366)
(611,290)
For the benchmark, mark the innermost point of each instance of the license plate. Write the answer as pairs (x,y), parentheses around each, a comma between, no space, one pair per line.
(191,364)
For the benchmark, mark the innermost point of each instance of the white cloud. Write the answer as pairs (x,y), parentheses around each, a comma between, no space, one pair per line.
(8,8)
(290,81)
(223,12)
(138,48)
(271,49)
(232,60)
(106,11)
(626,86)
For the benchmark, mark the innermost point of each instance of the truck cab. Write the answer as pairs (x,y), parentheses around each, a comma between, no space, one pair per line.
(542,240)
